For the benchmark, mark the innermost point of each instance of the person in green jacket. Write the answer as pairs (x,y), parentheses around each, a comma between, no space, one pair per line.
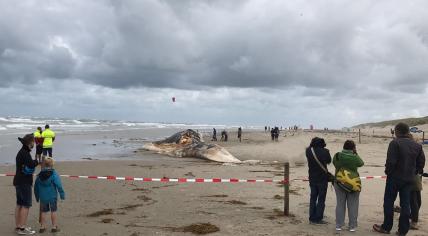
(348,161)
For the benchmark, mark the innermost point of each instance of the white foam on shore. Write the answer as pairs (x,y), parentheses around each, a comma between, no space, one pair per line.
(17,124)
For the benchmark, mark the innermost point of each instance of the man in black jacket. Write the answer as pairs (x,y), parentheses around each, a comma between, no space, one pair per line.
(318,179)
(405,159)
(23,182)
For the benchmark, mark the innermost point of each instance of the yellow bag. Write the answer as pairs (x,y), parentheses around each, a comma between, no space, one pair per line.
(348,182)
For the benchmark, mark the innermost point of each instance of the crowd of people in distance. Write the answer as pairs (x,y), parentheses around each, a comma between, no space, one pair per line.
(404,169)
(47,184)
(225,136)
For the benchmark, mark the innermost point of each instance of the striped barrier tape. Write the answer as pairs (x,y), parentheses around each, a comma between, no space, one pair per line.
(165,180)
(186,180)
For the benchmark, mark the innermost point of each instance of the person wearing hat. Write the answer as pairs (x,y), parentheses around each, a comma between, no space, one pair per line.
(23,182)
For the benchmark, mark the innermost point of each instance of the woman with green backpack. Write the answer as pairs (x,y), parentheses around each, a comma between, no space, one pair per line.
(347,185)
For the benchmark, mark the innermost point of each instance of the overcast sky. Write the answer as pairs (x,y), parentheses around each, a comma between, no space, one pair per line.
(249,62)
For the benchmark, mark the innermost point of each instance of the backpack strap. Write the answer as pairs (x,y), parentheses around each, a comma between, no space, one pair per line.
(318,161)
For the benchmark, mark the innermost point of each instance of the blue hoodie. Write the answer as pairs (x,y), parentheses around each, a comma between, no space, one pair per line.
(47,186)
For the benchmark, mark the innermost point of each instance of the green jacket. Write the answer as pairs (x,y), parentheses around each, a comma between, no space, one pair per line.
(348,160)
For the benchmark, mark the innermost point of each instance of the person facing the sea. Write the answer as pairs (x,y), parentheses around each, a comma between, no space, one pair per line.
(23,182)
(318,179)
(48,139)
(405,158)
(239,134)
(214,135)
(39,143)
(347,163)
(46,189)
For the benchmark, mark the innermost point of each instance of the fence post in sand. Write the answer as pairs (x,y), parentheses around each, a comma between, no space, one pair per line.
(423,137)
(359,136)
(287,189)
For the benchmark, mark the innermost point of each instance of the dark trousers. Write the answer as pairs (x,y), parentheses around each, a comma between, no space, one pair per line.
(415,205)
(47,151)
(392,189)
(317,202)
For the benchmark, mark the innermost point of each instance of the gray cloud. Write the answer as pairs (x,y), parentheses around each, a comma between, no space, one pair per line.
(373,50)
(193,44)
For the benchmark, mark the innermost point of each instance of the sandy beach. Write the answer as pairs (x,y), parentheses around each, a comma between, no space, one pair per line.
(103,207)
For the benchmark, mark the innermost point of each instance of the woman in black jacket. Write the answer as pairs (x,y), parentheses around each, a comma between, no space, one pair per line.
(318,179)
(23,182)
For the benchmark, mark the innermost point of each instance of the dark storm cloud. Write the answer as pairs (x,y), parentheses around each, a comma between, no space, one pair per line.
(200,44)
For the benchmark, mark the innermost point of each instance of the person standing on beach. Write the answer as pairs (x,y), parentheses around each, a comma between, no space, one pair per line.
(239,133)
(347,161)
(416,201)
(276,133)
(265,129)
(272,134)
(405,158)
(223,136)
(39,143)
(23,182)
(318,179)
(46,189)
(48,139)
(214,135)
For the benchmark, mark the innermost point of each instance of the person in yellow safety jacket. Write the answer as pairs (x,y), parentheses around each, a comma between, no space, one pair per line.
(48,138)
(39,143)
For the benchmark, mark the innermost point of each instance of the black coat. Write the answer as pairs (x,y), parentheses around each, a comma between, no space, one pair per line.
(405,158)
(23,158)
(316,174)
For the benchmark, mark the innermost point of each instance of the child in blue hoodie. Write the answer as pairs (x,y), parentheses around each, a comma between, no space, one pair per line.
(46,189)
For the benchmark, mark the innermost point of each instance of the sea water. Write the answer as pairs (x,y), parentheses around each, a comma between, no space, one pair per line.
(80,139)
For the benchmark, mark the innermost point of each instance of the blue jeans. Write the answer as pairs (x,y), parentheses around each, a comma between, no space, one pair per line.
(392,189)
(317,202)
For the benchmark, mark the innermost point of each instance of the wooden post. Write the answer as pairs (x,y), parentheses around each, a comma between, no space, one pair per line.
(423,137)
(359,136)
(287,189)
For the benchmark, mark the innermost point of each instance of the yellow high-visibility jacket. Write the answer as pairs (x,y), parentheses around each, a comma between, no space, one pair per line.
(48,137)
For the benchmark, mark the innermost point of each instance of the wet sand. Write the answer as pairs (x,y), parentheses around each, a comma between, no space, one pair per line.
(103,207)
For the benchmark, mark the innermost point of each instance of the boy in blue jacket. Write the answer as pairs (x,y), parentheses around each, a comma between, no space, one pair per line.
(46,189)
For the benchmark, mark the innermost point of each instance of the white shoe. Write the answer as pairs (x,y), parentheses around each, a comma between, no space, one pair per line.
(352,230)
(338,229)
(26,231)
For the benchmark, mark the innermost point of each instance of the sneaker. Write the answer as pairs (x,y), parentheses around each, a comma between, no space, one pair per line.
(352,230)
(338,229)
(25,231)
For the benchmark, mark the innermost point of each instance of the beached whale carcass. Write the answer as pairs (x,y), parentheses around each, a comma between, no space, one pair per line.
(189,143)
